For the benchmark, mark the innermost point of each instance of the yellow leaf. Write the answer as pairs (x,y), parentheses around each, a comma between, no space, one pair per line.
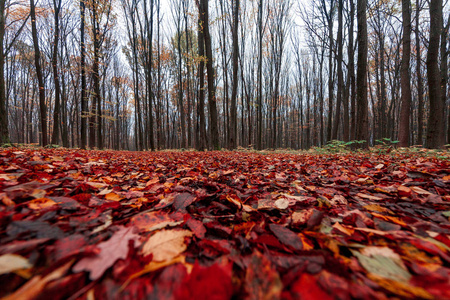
(166,244)
(13,262)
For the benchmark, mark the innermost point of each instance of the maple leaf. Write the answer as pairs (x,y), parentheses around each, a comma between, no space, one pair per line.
(110,251)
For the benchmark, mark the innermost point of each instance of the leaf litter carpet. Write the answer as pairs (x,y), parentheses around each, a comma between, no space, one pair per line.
(222,225)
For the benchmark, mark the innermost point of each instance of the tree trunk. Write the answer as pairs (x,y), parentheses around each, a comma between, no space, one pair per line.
(259,101)
(188,75)
(210,69)
(420,103)
(330,75)
(351,70)
(40,77)
(435,134)
(4,133)
(233,113)
(444,71)
(96,75)
(57,110)
(362,122)
(340,90)
(403,132)
(201,94)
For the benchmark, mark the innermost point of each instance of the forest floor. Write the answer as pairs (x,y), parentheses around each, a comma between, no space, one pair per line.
(223,225)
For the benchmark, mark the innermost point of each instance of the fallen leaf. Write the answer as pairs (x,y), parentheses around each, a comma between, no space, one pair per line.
(282,203)
(41,203)
(166,244)
(113,197)
(152,221)
(404,191)
(110,251)
(383,262)
(262,281)
(13,262)
(370,197)
(420,191)
(33,288)
(183,200)
(286,236)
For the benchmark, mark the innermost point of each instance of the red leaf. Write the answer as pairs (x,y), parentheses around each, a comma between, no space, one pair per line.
(183,200)
(208,283)
(286,236)
(110,251)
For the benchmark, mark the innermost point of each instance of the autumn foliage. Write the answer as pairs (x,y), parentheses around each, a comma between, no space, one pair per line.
(220,225)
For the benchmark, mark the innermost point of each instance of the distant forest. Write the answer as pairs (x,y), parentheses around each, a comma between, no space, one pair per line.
(267,74)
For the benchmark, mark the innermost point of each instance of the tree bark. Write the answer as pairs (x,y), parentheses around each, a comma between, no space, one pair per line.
(444,71)
(233,112)
(419,78)
(57,110)
(259,101)
(362,121)
(96,75)
(435,134)
(340,89)
(4,132)
(403,132)
(351,70)
(40,77)
(210,69)
(202,144)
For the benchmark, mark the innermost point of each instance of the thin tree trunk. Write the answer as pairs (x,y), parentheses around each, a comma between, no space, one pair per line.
(233,113)
(340,90)
(330,76)
(351,70)
(259,101)
(444,71)
(57,110)
(84,99)
(362,122)
(210,69)
(403,132)
(96,76)
(4,132)
(201,94)
(37,61)
(420,103)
